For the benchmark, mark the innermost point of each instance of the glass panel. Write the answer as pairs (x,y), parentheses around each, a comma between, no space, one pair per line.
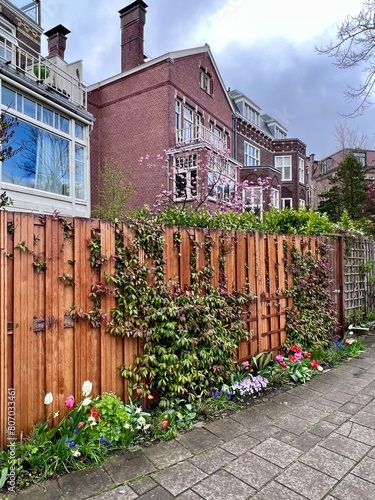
(79,172)
(48,116)
(64,125)
(8,97)
(29,107)
(42,163)
(79,131)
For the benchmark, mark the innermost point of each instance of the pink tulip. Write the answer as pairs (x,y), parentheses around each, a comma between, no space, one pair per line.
(69,402)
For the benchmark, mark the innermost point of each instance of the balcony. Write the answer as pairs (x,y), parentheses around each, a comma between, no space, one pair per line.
(56,82)
(198,135)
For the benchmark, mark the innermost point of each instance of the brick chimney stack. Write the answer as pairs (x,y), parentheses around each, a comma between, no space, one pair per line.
(133,19)
(57,40)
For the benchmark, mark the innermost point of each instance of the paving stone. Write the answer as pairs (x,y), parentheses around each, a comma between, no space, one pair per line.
(306,441)
(168,453)
(370,407)
(179,477)
(277,490)
(240,444)
(354,488)
(213,460)
(328,462)
(326,405)
(323,429)
(199,440)
(351,408)
(120,492)
(83,483)
(311,414)
(345,446)
(304,392)
(320,385)
(338,396)
(157,493)
(189,495)
(293,424)
(49,491)
(362,399)
(253,469)
(289,399)
(365,469)
(369,390)
(337,418)
(364,418)
(128,466)
(264,432)
(223,486)
(143,485)
(226,428)
(357,432)
(285,437)
(307,481)
(251,418)
(278,453)
(276,410)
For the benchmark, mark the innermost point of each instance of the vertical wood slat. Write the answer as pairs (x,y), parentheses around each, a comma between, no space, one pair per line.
(4,360)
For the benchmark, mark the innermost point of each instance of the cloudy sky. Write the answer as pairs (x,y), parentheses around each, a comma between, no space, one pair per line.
(264,48)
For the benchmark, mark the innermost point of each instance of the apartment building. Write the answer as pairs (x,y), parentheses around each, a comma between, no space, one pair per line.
(46,99)
(320,171)
(167,119)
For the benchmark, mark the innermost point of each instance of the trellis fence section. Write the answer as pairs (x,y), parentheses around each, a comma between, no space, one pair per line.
(359,273)
(45,271)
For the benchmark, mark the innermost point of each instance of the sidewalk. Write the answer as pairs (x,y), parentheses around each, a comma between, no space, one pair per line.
(312,442)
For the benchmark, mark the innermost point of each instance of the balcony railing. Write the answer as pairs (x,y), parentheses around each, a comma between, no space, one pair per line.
(198,134)
(48,76)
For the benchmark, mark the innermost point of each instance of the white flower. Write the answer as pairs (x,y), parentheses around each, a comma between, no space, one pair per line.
(76,453)
(86,388)
(48,398)
(92,421)
(320,368)
(138,410)
(86,401)
(350,327)
(127,426)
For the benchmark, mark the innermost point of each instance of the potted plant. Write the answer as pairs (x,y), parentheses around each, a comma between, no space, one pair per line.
(41,71)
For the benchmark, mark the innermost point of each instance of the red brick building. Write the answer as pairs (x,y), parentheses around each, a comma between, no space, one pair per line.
(176,108)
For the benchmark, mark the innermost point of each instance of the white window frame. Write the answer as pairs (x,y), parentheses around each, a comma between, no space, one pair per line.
(301,170)
(251,155)
(222,179)
(250,114)
(187,166)
(284,164)
(302,203)
(275,198)
(287,202)
(8,40)
(206,81)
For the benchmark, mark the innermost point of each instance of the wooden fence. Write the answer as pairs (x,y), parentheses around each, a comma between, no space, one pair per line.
(43,349)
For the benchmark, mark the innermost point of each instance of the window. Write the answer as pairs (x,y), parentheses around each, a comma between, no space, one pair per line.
(361,157)
(287,203)
(206,81)
(187,122)
(251,114)
(185,177)
(279,134)
(8,41)
(302,203)
(301,170)
(251,155)
(275,198)
(221,179)
(284,164)
(50,159)
(253,199)
(326,165)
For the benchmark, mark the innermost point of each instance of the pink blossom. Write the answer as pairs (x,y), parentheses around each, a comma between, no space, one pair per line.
(279,358)
(69,402)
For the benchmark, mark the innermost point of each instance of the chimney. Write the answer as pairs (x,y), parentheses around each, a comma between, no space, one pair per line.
(133,18)
(57,40)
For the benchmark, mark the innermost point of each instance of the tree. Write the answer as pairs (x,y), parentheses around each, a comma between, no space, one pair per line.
(354,47)
(351,138)
(114,190)
(348,191)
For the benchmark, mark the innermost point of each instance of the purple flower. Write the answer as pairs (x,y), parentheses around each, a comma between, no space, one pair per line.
(279,358)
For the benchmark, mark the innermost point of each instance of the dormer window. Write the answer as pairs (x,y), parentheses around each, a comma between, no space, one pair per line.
(251,114)
(8,41)
(206,81)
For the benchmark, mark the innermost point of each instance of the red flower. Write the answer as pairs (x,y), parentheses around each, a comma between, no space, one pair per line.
(94,413)
(307,354)
(294,348)
(139,391)
(164,423)
(292,359)
(80,425)
(283,365)
(314,364)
